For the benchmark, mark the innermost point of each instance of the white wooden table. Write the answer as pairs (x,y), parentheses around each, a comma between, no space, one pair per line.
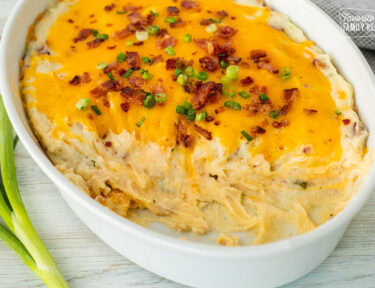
(88,262)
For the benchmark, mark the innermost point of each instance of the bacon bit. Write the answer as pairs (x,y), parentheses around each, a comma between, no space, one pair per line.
(205,92)
(188,88)
(85,78)
(187,4)
(285,109)
(75,81)
(83,35)
(125,106)
(209,118)
(205,22)
(217,123)
(133,95)
(346,121)
(122,34)
(131,8)
(291,95)
(182,137)
(282,123)
(221,13)
(258,130)
(201,43)
(106,103)
(178,24)
(165,42)
(209,63)
(133,60)
(157,59)
(98,91)
(90,116)
(162,33)
(220,109)
(136,81)
(258,90)
(139,43)
(252,108)
(173,10)
(70,20)
(111,47)
(157,88)
(267,66)
(109,8)
(225,32)
(111,85)
(206,134)
(108,144)
(94,43)
(137,22)
(171,63)
(244,64)
(111,67)
(246,81)
(310,111)
(233,60)
(256,55)
(318,64)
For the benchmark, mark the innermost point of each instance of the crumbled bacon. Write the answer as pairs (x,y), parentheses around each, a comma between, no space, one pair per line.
(258,90)
(133,95)
(205,22)
(282,123)
(131,8)
(206,134)
(166,41)
(188,88)
(111,67)
(101,90)
(122,34)
(205,92)
(136,81)
(139,43)
(232,60)
(83,35)
(137,22)
(252,108)
(183,138)
(346,121)
(162,32)
(157,88)
(157,59)
(171,63)
(267,66)
(221,13)
(258,130)
(187,4)
(285,109)
(225,32)
(209,118)
(109,8)
(310,111)
(77,80)
(213,48)
(220,109)
(179,23)
(94,43)
(246,81)
(133,60)
(291,95)
(173,10)
(244,64)
(125,106)
(209,63)
(85,78)
(256,55)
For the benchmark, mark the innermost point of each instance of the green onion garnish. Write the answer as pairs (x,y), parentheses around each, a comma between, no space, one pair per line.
(337,113)
(140,122)
(169,50)
(172,19)
(263,97)
(229,91)
(177,72)
(146,60)
(211,28)
(146,75)
(181,79)
(96,109)
(232,105)
(120,12)
(102,65)
(121,57)
(190,113)
(203,76)
(153,29)
(110,76)
(246,135)
(189,72)
(216,21)
(160,97)
(201,116)
(127,73)
(95,33)
(187,105)
(285,73)
(83,103)
(103,36)
(149,101)
(180,109)
(154,14)
(129,43)
(244,94)
(232,72)
(274,114)
(188,37)
(224,64)
(224,80)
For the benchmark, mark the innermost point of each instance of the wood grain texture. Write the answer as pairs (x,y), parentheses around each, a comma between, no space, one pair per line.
(88,262)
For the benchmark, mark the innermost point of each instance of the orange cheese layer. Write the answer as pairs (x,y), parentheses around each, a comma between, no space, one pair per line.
(56,98)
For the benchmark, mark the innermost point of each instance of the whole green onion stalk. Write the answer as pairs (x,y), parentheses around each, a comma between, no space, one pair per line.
(20,235)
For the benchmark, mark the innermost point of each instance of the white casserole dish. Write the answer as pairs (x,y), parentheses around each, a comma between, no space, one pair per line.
(194,264)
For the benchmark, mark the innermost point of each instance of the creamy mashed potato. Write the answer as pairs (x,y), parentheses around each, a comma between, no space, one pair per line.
(208,116)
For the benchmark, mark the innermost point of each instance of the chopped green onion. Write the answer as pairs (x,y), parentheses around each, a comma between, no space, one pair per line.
(224,64)
(177,72)
(180,109)
(232,105)
(225,80)
(285,73)
(169,50)
(274,114)
(120,12)
(181,79)
(141,35)
(140,122)
(103,36)
(229,91)
(153,29)
(232,72)
(216,21)
(146,60)
(160,97)
(337,113)
(211,28)
(263,97)
(121,57)
(203,76)
(201,116)
(96,109)
(149,101)
(187,105)
(127,73)
(146,75)
(83,103)
(102,65)
(244,94)
(129,43)
(154,14)
(190,113)
(188,37)
(95,33)
(189,72)
(172,19)
(110,76)
(246,135)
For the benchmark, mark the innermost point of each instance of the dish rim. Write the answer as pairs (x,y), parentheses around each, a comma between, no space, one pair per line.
(157,238)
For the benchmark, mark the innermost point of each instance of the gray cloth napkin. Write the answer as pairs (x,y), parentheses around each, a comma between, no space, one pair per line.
(345,11)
